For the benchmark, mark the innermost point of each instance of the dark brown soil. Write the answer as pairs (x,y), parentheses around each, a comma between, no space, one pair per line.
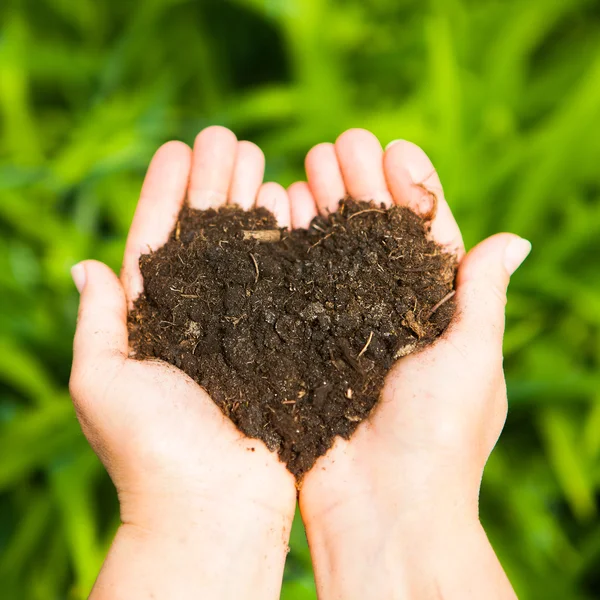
(293,338)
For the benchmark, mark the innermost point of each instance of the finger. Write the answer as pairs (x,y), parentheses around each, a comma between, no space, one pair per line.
(361,160)
(162,196)
(325,178)
(302,205)
(274,198)
(481,286)
(102,321)
(414,182)
(215,151)
(247,177)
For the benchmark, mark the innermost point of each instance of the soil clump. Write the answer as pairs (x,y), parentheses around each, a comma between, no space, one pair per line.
(293,332)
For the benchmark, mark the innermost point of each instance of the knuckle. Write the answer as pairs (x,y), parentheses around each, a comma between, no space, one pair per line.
(449,433)
(486,355)
(486,290)
(76,385)
(502,406)
(498,292)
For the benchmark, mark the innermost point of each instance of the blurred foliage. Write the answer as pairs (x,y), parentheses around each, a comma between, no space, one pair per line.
(503,94)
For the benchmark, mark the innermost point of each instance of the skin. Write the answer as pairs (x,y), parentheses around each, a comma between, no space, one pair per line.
(390,514)
(206,512)
(393,512)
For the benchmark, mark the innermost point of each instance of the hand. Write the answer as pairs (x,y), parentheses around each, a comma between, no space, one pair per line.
(400,498)
(185,476)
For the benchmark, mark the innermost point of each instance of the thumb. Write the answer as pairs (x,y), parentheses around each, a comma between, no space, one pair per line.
(481,286)
(102,321)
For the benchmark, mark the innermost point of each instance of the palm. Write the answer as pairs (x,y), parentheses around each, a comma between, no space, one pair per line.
(172,429)
(168,424)
(425,390)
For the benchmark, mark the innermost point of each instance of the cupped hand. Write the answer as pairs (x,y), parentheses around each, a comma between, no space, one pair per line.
(412,470)
(176,461)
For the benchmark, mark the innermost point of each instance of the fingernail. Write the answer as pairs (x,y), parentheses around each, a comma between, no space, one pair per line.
(516,252)
(392,143)
(78,275)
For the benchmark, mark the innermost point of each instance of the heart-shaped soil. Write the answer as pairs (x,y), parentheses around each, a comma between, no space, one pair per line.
(292,332)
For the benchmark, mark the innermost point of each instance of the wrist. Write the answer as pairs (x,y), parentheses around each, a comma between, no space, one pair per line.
(165,513)
(164,505)
(392,535)
(373,552)
(204,548)
(387,523)
(217,535)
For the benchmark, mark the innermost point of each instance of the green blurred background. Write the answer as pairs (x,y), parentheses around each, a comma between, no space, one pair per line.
(503,94)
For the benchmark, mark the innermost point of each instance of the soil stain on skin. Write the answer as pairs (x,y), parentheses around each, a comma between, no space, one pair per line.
(292,332)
